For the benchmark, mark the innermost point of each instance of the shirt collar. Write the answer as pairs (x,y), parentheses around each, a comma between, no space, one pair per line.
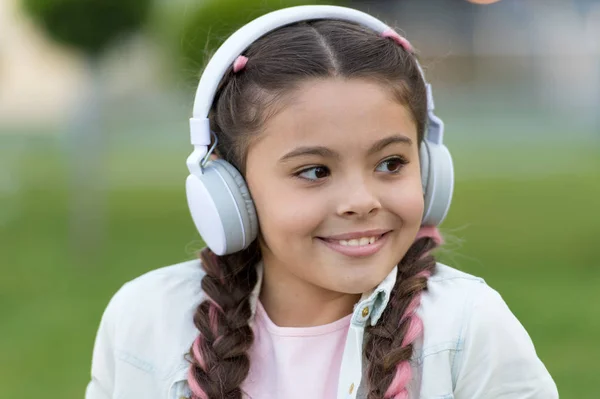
(367,310)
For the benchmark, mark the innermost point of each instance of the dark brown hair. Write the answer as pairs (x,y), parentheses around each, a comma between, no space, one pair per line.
(278,63)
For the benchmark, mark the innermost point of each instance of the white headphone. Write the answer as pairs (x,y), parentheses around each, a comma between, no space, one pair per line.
(218,198)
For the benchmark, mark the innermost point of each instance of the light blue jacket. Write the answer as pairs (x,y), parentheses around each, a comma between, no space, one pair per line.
(473,346)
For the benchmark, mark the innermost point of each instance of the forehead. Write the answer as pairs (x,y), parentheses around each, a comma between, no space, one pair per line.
(343,114)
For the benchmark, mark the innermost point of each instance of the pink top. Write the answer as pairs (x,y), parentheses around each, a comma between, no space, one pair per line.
(295,362)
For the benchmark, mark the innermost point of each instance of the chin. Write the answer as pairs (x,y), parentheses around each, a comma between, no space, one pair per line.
(359,284)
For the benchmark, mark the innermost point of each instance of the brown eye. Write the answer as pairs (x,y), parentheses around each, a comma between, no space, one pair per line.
(314,173)
(392,165)
(321,172)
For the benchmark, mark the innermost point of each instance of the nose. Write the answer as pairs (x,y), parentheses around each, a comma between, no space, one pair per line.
(358,200)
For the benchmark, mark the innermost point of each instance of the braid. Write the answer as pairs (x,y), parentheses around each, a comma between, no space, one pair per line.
(389,345)
(219,363)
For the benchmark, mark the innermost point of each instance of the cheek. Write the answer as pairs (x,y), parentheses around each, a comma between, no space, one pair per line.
(406,200)
(284,213)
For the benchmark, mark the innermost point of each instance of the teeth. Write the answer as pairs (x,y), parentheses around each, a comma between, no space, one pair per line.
(358,242)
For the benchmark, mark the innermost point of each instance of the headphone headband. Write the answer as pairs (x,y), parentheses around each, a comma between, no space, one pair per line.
(240,40)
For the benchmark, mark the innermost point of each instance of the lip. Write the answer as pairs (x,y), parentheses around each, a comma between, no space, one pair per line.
(356,234)
(359,251)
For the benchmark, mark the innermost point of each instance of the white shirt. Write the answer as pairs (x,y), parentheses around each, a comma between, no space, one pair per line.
(473,346)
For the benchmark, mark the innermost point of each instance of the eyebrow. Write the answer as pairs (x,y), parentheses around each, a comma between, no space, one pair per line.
(325,152)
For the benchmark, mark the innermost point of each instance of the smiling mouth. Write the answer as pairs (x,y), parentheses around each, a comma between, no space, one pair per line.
(355,242)
(357,245)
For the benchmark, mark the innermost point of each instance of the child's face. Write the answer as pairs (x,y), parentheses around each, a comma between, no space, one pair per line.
(343,183)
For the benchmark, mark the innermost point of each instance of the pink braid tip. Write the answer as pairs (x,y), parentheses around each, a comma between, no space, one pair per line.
(239,63)
(401,41)
(397,388)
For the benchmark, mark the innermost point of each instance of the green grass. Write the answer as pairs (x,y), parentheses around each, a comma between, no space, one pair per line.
(531,236)
(534,241)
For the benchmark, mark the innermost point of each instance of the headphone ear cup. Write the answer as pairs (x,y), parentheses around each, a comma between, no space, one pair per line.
(437,177)
(242,195)
(222,208)
(424,160)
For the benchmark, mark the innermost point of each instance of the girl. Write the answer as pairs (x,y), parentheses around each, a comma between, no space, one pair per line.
(318,280)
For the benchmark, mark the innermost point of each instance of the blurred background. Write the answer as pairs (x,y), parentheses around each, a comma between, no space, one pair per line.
(94,101)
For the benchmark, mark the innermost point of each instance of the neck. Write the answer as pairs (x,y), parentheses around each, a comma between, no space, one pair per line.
(292,302)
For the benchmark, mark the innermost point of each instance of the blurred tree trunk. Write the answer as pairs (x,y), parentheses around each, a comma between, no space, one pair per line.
(86,146)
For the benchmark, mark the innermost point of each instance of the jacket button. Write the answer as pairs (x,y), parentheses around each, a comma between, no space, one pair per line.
(351,389)
(365,312)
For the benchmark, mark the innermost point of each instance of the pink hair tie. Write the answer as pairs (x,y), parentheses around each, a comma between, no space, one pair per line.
(392,34)
(239,63)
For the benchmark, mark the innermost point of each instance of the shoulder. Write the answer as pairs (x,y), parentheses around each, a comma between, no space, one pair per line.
(451,303)
(448,275)
(166,283)
(183,272)
(158,290)
(151,317)
(458,293)
(471,332)
(451,289)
